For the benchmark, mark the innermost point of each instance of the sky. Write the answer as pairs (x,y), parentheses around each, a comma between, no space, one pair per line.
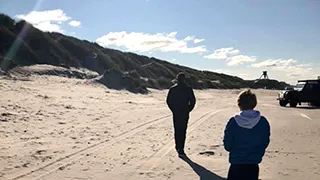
(236,37)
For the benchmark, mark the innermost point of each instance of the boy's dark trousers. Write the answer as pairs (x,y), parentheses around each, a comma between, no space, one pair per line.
(180,123)
(243,172)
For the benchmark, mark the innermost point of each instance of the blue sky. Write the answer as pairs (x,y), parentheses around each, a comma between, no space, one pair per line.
(231,36)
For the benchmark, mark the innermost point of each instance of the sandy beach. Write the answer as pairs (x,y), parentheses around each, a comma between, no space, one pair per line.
(60,128)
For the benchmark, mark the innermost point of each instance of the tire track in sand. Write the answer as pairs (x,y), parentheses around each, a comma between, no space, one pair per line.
(169,146)
(70,159)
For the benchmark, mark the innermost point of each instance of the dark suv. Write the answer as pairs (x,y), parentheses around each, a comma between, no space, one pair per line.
(306,91)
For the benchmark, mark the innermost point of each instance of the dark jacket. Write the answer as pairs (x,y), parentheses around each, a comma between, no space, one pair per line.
(181,99)
(246,137)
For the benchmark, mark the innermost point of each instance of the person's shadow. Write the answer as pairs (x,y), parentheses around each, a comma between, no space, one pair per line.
(202,172)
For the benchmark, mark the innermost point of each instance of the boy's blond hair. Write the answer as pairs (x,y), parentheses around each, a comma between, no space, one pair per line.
(247,100)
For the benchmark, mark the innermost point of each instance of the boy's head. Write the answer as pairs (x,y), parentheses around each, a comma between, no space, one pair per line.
(247,100)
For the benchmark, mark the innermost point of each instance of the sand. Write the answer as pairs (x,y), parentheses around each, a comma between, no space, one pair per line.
(61,128)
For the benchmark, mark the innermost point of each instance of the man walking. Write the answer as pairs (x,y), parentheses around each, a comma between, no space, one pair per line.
(181,101)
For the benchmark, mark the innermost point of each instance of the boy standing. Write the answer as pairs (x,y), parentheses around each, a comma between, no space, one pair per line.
(246,137)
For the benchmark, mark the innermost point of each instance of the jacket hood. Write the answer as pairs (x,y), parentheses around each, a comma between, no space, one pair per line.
(247,118)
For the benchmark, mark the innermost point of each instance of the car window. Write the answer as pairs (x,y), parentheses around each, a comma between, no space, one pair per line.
(317,87)
(312,86)
(309,87)
(299,86)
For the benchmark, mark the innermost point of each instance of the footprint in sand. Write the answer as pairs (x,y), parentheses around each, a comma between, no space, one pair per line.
(208,153)
(215,146)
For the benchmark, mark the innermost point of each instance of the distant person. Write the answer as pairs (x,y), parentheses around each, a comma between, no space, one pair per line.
(246,138)
(181,101)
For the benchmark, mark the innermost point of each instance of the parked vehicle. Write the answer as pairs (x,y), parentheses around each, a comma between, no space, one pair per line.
(306,91)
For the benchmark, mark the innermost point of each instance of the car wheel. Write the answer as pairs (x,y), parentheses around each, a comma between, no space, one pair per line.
(283,103)
(293,104)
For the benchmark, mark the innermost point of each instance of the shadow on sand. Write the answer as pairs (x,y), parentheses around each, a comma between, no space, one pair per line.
(202,172)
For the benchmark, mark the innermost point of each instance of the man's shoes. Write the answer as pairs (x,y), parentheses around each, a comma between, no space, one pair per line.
(181,154)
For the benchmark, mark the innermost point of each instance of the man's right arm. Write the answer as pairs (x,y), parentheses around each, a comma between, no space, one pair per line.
(169,100)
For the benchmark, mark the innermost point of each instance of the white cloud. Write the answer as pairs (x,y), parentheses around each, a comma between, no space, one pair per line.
(244,76)
(294,74)
(231,56)
(50,27)
(172,34)
(192,38)
(75,23)
(290,68)
(142,42)
(223,71)
(296,71)
(240,59)
(36,17)
(274,63)
(189,38)
(289,71)
(223,53)
(50,20)
(196,41)
(238,73)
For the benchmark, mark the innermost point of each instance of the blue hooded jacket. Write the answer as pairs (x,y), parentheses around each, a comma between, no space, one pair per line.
(246,137)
